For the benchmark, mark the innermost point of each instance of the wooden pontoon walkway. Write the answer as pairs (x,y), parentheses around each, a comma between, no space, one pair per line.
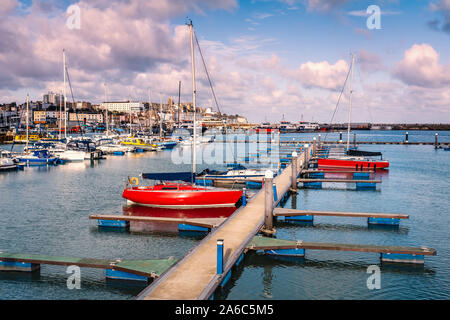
(200,222)
(266,243)
(194,277)
(338,180)
(368,142)
(280,212)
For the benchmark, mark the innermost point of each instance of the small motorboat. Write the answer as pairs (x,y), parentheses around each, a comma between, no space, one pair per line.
(235,172)
(140,144)
(108,146)
(87,147)
(37,157)
(59,149)
(7,162)
(167,143)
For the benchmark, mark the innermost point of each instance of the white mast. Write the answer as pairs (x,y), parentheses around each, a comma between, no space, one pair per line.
(64,91)
(350,109)
(129,103)
(106,112)
(60,114)
(194,140)
(160,115)
(150,109)
(28,102)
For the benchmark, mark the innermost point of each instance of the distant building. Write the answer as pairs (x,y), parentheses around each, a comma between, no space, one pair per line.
(83,105)
(53,98)
(49,115)
(40,116)
(123,106)
(86,116)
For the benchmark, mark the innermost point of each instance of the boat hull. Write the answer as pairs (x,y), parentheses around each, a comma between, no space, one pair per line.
(38,161)
(347,163)
(194,198)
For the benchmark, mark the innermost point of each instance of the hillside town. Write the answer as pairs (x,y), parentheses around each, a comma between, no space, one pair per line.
(48,114)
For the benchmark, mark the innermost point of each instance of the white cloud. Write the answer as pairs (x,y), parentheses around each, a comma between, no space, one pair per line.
(321,74)
(420,66)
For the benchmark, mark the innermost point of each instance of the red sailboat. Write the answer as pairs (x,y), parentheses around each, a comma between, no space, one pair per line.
(181,195)
(354,158)
(355,163)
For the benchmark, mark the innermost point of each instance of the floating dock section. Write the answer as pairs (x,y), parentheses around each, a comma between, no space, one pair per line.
(139,270)
(184,224)
(278,247)
(308,215)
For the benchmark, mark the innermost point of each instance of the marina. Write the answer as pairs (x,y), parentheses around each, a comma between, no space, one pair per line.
(214,158)
(242,242)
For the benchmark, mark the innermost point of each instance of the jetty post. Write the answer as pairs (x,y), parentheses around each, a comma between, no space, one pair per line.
(306,156)
(354,139)
(220,256)
(320,142)
(340,137)
(314,146)
(294,172)
(436,141)
(406,137)
(269,200)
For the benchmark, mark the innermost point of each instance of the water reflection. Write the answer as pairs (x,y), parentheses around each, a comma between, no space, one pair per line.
(197,213)
(169,227)
(268,263)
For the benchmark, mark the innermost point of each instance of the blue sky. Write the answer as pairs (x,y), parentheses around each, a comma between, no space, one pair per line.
(266,58)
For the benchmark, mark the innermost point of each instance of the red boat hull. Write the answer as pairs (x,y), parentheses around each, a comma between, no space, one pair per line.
(182,196)
(347,163)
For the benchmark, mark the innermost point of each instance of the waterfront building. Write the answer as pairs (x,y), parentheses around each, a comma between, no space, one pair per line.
(93,117)
(124,106)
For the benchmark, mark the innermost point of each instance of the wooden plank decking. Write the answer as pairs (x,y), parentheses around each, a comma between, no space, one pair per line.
(266,243)
(147,268)
(278,212)
(339,180)
(200,222)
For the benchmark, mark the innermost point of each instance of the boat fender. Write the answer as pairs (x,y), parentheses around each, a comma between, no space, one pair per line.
(134,181)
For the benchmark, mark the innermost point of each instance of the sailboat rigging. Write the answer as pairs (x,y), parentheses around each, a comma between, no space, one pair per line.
(181,195)
(353,158)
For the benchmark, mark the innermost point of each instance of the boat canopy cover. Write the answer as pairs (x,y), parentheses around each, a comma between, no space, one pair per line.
(170,176)
(363,153)
(235,166)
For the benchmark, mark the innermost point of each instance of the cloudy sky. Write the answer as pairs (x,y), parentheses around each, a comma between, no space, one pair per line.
(266,58)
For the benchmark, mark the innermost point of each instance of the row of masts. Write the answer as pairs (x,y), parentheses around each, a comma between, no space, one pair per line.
(64,93)
(151,108)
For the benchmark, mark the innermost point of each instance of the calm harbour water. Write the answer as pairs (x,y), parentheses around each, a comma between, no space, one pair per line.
(44,210)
